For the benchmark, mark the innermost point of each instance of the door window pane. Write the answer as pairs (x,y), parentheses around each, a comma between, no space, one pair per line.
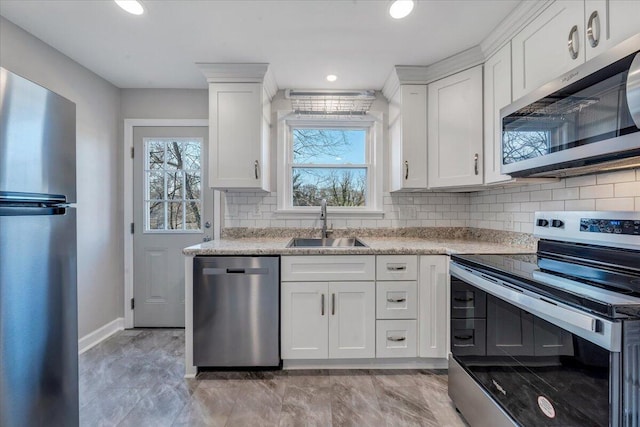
(173,184)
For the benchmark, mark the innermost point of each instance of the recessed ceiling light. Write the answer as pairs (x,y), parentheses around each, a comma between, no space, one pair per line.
(400,8)
(134,7)
(332,77)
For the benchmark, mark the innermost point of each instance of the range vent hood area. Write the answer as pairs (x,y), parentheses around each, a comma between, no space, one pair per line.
(330,103)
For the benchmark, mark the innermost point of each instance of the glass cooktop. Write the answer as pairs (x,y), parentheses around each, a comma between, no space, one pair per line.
(606,290)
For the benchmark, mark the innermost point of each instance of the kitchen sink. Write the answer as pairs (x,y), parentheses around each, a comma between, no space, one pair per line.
(343,242)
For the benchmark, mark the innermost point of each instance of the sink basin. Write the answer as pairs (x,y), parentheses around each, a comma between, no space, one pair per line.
(342,242)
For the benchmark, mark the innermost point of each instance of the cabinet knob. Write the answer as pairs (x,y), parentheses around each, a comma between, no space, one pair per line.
(573,42)
(593,29)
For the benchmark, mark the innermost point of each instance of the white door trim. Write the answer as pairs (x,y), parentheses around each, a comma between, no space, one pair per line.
(129,124)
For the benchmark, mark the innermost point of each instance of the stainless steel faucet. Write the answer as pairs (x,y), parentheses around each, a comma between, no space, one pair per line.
(323,217)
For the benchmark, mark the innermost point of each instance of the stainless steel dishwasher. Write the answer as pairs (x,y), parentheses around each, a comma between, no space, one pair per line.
(236,311)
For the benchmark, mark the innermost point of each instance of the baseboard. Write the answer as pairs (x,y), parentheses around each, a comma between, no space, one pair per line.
(102,333)
(401,363)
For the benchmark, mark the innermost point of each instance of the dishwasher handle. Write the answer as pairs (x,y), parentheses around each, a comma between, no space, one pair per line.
(233,271)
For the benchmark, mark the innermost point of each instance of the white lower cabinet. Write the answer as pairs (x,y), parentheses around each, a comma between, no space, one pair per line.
(321,320)
(396,338)
(434,306)
(305,332)
(352,320)
(363,318)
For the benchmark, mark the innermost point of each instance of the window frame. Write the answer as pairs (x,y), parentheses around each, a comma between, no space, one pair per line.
(145,190)
(371,123)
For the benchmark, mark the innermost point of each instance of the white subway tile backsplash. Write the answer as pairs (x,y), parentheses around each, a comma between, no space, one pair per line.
(620,204)
(509,208)
(617,176)
(627,189)
(580,205)
(596,191)
(566,193)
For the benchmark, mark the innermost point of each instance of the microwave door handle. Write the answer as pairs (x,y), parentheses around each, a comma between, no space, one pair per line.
(633,89)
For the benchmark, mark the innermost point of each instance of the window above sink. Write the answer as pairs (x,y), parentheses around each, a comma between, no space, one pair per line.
(337,159)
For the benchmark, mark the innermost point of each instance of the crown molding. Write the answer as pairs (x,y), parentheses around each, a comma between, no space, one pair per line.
(407,74)
(524,13)
(240,73)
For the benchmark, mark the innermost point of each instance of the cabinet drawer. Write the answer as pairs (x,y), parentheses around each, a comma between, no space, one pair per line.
(468,337)
(467,301)
(396,338)
(397,267)
(326,268)
(396,300)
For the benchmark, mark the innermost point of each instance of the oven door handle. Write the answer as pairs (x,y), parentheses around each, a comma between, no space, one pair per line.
(599,331)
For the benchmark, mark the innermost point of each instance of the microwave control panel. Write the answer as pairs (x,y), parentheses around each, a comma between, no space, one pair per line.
(610,226)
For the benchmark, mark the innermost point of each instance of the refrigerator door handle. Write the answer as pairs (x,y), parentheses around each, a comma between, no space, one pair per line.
(32,210)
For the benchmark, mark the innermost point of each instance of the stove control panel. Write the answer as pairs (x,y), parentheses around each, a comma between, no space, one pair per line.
(610,226)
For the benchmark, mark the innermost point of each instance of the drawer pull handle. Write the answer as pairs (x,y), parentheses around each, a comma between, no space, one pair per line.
(396,267)
(322,305)
(396,339)
(463,337)
(463,299)
(396,299)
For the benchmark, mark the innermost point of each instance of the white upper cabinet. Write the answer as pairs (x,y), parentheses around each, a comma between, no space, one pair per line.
(608,22)
(552,44)
(238,127)
(239,121)
(455,130)
(408,136)
(497,94)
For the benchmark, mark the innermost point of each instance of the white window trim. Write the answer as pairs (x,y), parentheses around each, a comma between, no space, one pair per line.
(373,120)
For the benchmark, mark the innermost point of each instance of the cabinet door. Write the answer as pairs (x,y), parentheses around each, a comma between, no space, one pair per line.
(433,314)
(352,320)
(408,135)
(305,327)
(610,21)
(551,340)
(497,94)
(236,119)
(455,130)
(541,52)
(509,329)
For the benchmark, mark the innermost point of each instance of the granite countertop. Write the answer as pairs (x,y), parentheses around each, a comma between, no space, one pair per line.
(376,246)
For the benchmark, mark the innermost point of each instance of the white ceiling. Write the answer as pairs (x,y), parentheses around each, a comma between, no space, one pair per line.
(302,40)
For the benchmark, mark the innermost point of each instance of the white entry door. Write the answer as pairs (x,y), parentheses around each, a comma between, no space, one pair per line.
(172,210)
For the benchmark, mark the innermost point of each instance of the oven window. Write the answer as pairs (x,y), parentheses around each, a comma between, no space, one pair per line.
(540,374)
(590,110)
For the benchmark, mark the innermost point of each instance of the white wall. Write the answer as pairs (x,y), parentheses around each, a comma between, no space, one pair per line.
(100,264)
(165,103)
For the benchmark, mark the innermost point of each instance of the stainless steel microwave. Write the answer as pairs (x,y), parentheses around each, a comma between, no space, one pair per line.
(587,120)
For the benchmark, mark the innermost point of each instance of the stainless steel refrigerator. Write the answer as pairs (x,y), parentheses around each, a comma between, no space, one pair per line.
(38,295)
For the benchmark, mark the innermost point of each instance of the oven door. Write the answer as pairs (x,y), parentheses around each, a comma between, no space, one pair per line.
(537,370)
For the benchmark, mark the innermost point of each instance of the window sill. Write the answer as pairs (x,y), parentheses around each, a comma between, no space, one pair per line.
(347,213)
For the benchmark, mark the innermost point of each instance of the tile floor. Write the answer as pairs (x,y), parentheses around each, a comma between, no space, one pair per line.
(135,378)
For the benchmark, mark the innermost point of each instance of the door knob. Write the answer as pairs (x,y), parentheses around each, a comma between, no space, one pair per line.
(206,239)
(207,224)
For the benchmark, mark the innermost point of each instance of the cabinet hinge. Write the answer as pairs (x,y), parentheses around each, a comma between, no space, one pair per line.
(132,228)
(133,303)
(132,152)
